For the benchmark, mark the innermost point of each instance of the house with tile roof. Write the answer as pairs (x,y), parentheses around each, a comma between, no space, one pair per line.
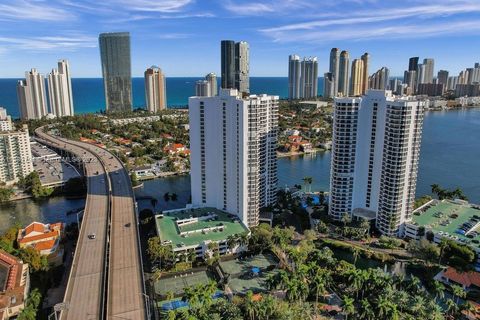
(45,238)
(14,285)
(467,280)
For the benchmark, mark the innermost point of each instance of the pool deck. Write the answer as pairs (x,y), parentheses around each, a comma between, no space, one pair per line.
(169,231)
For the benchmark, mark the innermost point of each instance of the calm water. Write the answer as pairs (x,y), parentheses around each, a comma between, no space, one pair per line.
(88,95)
(450,156)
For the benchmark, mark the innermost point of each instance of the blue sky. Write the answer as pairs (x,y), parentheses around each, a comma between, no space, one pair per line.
(183,36)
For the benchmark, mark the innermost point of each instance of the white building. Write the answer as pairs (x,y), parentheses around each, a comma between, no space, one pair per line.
(309,78)
(5,120)
(155,89)
(31,96)
(15,155)
(203,89)
(376,145)
(233,152)
(294,74)
(60,90)
(242,66)
(212,79)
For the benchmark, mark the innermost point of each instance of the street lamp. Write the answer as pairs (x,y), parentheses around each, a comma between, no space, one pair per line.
(147,301)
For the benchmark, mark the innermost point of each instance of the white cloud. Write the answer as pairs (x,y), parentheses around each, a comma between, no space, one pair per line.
(68,42)
(32,10)
(165,6)
(255,8)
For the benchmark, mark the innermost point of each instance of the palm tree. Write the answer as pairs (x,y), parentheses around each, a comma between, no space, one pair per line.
(356,254)
(348,306)
(435,189)
(458,292)
(249,305)
(417,306)
(346,219)
(452,307)
(384,306)
(438,289)
(232,241)
(366,311)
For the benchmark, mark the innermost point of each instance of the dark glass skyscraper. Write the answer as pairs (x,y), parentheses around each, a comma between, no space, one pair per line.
(228,64)
(116,70)
(413,64)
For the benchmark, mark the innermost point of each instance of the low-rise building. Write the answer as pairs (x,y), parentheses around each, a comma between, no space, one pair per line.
(467,280)
(455,220)
(176,148)
(194,228)
(14,285)
(5,120)
(44,238)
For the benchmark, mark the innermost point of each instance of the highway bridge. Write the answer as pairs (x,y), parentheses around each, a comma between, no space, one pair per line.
(106,278)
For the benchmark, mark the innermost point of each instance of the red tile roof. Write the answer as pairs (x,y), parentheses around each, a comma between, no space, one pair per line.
(463,278)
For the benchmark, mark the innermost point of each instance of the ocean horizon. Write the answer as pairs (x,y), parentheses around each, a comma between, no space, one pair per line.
(88,95)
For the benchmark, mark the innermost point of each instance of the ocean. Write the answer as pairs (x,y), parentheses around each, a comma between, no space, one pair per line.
(88,95)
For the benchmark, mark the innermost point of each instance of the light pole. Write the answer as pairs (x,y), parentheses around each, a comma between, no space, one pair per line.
(147,301)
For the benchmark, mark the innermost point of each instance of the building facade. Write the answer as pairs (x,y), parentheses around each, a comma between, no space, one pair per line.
(242,66)
(343,74)
(31,96)
(212,79)
(309,78)
(202,88)
(328,85)
(60,90)
(116,70)
(15,155)
(356,86)
(334,69)
(155,89)
(233,153)
(294,74)
(5,120)
(375,152)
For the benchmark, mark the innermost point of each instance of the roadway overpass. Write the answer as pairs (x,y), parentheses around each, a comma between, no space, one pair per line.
(106,279)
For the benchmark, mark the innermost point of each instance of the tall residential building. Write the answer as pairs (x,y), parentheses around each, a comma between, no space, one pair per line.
(328,85)
(380,80)
(366,62)
(242,66)
(203,89)
(376,147)
(116,70)
(60,90)
(228,64)
(442,77)
(294,74)
(309,78)
(334,68)
(212,79)
(410,78)
(5,120)
(413,64)
(235,65)
(343,74)
(429,65)
(15,155)
(155,89)
(233,152)
(31,96)
(452,82)
(356,85)
(421,74)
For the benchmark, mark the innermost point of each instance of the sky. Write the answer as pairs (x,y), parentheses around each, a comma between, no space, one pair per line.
(183,36)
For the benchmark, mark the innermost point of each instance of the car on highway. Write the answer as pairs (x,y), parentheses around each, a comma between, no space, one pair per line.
(91,236)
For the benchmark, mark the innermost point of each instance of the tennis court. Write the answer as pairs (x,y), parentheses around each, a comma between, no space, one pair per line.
(237,267)
(177,283)
(249,273)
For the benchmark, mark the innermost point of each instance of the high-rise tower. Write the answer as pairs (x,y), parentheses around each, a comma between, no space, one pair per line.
(366,62)
(343,74)
(294,74)
(60,90)
(228,64)
(31,96)
(116,70)
(309,78)
(242,66)
(356,85)
(233,141)
(375,153)
(212,79)
(334,68)
(155,89)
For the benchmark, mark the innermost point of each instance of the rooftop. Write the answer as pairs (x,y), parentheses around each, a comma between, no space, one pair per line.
(225,224)
(448,217)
